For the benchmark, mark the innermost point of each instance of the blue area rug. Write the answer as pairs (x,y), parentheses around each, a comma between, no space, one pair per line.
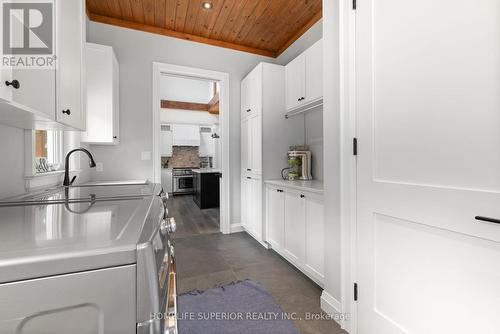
(243,307)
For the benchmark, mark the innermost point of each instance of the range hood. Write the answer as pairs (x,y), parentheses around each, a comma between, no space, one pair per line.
(186,135)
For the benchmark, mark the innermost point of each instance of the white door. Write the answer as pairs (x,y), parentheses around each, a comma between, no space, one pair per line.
(428,111)
(275,221)
(70,49)
(256,144)
(295,82)
(314,72)
(315,236)
(294,226)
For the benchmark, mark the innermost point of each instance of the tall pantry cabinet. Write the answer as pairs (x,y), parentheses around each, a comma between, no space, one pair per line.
(265,138)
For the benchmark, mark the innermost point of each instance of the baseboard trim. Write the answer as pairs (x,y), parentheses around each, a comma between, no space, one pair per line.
(332,306)
(236,228)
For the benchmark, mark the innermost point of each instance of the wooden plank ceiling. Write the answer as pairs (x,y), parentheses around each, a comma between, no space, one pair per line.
(264,27)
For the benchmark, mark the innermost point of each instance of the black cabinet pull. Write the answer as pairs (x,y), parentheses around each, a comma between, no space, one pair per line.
(249,170)
(115,137)
(489,220)
(67,112)
(302,196)
(13,83)
(248,110)
(249,178)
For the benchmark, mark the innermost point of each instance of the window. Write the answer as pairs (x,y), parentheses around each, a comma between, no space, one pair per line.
(48,151)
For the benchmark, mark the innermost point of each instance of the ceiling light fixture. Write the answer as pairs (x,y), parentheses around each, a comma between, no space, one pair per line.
(207,5)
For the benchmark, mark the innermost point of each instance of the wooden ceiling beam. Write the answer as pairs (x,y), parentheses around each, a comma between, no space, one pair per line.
(176,34)
(166,104)
(214,104)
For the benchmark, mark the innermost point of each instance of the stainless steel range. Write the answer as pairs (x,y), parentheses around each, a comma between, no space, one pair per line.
(183,181)
(90,259)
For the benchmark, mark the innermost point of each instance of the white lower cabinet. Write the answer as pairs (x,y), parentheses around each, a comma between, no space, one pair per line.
(275,204)
(295,228)
(251,206)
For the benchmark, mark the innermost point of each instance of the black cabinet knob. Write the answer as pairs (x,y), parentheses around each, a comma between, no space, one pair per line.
(115,137)
(67,112)
(248,110)
(302,196)
(13,83)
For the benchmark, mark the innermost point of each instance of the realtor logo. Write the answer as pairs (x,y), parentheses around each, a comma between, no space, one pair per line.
(28,28)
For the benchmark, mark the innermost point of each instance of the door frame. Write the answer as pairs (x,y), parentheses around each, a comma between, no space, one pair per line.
(342,38)
(160,69)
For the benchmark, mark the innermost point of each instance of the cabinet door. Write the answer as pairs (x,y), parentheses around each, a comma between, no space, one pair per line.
(246,149)
(70,44)
(294,226)
(166,141)
(255,91)
(315,236)
(314,72)
(5,91)
(256,144)
(255,208)
(295,82)
(245,92)
(100,99)
(275,217)
(244,202)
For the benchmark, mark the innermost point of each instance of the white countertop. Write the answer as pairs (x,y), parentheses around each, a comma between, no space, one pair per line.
(313,186)
(206,170)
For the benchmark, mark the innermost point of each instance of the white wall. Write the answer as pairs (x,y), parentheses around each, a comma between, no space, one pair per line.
(12,165)
(185,89)
(314,139)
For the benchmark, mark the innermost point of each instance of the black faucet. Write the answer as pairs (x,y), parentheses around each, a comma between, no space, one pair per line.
(67,182)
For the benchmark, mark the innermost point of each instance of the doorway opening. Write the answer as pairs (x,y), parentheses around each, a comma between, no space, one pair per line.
(191,155)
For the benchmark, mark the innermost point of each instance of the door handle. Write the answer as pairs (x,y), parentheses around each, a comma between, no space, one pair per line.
(489,220)
(13,83)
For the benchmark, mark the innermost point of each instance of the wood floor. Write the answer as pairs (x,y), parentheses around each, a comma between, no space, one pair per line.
(207,258)
(190,219)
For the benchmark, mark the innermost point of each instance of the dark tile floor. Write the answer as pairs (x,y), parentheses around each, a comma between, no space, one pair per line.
(205,260)
(190,219)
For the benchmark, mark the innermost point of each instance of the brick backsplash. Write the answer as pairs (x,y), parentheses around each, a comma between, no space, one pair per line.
(183,156)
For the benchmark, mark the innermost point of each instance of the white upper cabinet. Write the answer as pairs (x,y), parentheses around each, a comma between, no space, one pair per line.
(186,135)
(295,82)
(314,72)
(51,97)
(166,141)
(304,79)
(102,96)
(251,93)
(70,47)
